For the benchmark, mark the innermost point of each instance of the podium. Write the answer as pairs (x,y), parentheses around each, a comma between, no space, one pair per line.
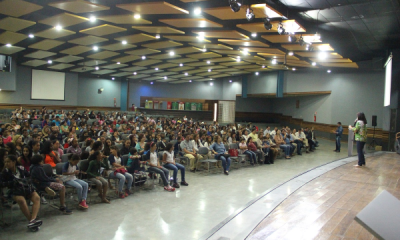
(350,143)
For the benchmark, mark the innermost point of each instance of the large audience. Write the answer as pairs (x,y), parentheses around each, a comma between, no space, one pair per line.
(43,151)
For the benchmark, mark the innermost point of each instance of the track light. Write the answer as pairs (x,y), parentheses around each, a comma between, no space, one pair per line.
(267,24)
(281,30)
(250,15)
(235,6)
(292,38)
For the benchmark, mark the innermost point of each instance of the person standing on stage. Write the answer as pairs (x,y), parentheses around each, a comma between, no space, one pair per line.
(360,131)
(338,133)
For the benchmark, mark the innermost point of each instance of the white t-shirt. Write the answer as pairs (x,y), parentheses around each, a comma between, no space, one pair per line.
(170,157)
(153,158)
(117,160)
(69,177)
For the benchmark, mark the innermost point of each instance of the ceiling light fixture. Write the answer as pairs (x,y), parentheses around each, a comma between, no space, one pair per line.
(151,83)
(156,69)
(281,29)
(58,27)
(143,57)
(254,34)
(165,77)
(180,64)
(31,36)
(329,71)
(97,68)
(314,63)
(136,16)
(118,63)
(257,73)
(95,48)
(238,59)
(197,11)
(204,50)
(8,45)
(292,38)
(124,42)
(209,70)
(291,53)
(208,62)
(245,51)
(322,55)
(49,62)
(273,61)
(235,5)
(263,66)
(186,74)
(113,79)
(134,73)
(92,19)
(211,84)
(158,36)
(293,69)
(230,81)
(172,53)
(190,80)
(267,24)
(250,14)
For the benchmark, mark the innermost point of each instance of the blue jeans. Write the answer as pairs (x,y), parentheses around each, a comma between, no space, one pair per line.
(338,143)
(175,168)
(299,146)
(251,155)
(81,188)
(286,149)
(122,178)
(360,152)
(226,162)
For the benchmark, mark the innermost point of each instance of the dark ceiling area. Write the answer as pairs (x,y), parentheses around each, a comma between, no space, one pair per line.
(168,41)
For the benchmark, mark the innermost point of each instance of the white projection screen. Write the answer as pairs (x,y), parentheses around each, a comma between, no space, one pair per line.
(47,85)
(388,81)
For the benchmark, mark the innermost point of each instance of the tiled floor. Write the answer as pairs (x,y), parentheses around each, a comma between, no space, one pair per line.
(188,213)
(325,207)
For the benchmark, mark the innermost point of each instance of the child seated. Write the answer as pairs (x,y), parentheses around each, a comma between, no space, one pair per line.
(69,172)
(45,183)
(135,167)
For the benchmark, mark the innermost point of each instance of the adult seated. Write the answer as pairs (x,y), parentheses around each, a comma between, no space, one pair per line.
(74,148)
(169,163)
(220,153)
(302,137)
(280,142)
(189,151)
(297,141)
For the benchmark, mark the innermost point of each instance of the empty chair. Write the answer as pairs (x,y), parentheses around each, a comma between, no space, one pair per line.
(204,152)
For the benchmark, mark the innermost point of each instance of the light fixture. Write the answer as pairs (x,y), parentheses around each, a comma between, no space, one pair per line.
(322,55)
(172,53)
(267,24)
(136,16)
(204,50)
(97,68)
(209,70)
(158,36)
(211,84)
(291,53)
(293,69)
(257,73)
(95,48)
(230,81)
(92,19)
(118,63)
(281,29)
(307,47)
(180,64)
(190,80)
(134,73)
(208,62)
(186,74)
(156,69)
(165,77)
(201,36)
(0,89)
(254,34)
(250,14)
(151,83)
(31,36)
(273,61)
(292,38)
(197,11)
(317,37)
(58,27)
(124,42)
(235,5)
(245,51)
(8,45)
(329,71)
(113,79)
(49,62)
(263,66)
(143,57)
(314,63)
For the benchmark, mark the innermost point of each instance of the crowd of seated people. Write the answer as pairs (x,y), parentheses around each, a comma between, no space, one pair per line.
(152,147)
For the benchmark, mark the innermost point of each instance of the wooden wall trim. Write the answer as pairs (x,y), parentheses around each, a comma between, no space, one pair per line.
(57,107)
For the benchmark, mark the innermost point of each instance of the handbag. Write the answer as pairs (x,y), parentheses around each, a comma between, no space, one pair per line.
(121,170)
(233,152)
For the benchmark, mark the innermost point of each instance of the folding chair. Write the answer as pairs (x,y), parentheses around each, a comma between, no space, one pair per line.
(65,157)
(204,152)
(83,167)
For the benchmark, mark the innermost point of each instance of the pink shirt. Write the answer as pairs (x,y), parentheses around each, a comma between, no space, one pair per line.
(7,140)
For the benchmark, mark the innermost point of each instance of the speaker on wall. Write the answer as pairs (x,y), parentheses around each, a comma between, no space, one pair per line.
(374,118)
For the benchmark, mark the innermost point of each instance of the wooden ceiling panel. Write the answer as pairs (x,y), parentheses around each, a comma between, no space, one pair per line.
(15,24)
(153,8)
(121,74)
(117,47)
(149,71)
(165,65)
(146,62)
(139,76)
(89,40)
(103,55)
(200,64)
(92,63)
(68,59)
(162,45)
(82,69)
(164,56)
(191,23)
(40,54)
(182,60)
(185,38)
(11,37)
(264,50)
(53,33)
(317,54)
(259,10)
(181,69)
(221,34)
(204,55)
(46,44)
(17,8)
(78,6)
(288,25)
(222,59)
(232,64)
(35,63)
(210,46)
(102,30)
(160,30)
(61,66)
(143,52)
(126,59)
(136,38)
(331,60)
(340,65)
(186,50)
(243,43)
(133,69)
(124,19)
(114,66)
(64,20)
(310,38)
(317,47)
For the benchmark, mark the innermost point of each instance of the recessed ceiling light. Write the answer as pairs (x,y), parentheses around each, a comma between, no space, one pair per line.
(136,16)
(158,36)
(245,51)
(113,78)
(211,84)
(92,18)
(0,89)
(118,62)
(230,81)
(254,34)
(95,48)
(134,73)
(97,68)
(197,11)
(291,53)
(314,63)
(143,57)
(263,66)
(172,53)
(31,36)
(204,50)
(180,64)
(246,44)
(124,42)
(209,70)
(8,45)
(208,62)
(49,62)
(58,27)
(190,80)
(186,74)
(274,61)
(151,83)
(237,59)
(156,69)
(293,69)
(329,71)
(322,55)
(257,73)
(165,77)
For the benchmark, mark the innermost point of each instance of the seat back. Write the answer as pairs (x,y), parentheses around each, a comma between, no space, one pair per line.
(119,145)
(233,146)
(226,147)
(59,167)
(65,157)
(48,170)
(203,151)
(124,136)
(125,159)
(84,165)
(82,144)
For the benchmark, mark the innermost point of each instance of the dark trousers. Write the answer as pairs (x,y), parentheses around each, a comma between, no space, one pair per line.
(338,138)
(360,152)
(299,146)
(311,144)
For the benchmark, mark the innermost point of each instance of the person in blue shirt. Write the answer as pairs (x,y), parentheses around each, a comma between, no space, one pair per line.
(338,132)
(288,140)
(57,121)
(218,148)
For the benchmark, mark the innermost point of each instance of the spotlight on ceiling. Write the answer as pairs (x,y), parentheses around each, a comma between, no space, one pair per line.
(235,5)
(134,73)
(8,45)
(58,27)
(97,68)
(208,62)
(230,81)
(136,16)
(197,11)
(257,73)
(301,41)
(254,35)
(186,74)
(314,63)
(180,64)
(190,80)
(95,48)
(293,69)
(151,83)
(143,57)
(292,38)
(92,19)
(31,36)
(267,24)
(49,62)
(113,79)
(172,53)
(158,36)
(118,63)
(291,53)
(329,71)
(156,69)
(263,66)
(250,15)
(165,77)
(274,61)
(281,30)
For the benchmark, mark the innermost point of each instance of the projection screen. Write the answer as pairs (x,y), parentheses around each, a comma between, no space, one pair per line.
(47,85)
